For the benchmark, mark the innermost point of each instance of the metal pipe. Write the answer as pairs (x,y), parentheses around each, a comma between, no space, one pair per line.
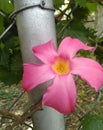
(36,26)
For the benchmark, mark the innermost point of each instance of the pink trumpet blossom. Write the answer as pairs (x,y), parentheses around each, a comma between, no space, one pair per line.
(61,65)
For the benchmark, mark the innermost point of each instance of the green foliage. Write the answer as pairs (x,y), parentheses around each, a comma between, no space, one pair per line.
(6,6)
(91,6)
(77,29)
(10,56)
(10,59)
(10,64)
(1,24)
(81,13)
(99,52)
(58,3)
(81,3)
(92,122)
(4,56)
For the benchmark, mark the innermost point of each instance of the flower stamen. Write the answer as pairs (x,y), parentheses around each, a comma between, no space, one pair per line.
(61,66)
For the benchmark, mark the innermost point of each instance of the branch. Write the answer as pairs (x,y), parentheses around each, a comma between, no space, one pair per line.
(9,115)
(58,17)
(20,119)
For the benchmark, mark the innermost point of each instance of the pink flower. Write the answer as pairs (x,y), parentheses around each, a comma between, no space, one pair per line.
(61,65)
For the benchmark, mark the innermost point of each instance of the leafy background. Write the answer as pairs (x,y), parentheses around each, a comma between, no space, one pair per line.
(71,17)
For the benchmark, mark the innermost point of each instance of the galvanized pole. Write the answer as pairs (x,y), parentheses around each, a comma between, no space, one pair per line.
(36,25)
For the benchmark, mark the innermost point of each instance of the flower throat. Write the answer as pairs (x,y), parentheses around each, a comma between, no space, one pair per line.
(61,66)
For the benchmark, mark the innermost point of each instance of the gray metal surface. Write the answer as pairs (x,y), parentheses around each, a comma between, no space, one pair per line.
(37,26)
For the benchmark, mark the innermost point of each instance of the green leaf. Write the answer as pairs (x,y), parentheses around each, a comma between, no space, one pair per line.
(81,3)
(13,72)
(92,122)
(1,45)
(1,25)
(77,30)
(10,77)
(92,6)
(16,62)
(4,55)
(6,6)
(12,42)
(58,3)
(99,53)
(10,61)
(81,13)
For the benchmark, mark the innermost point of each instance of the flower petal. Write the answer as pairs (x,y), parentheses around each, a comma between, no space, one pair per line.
(61,95)
(35,74)
(70,46)
(45,52)
(89,70)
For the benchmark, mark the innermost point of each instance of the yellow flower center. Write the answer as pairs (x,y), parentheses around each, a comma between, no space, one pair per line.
(61,66)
